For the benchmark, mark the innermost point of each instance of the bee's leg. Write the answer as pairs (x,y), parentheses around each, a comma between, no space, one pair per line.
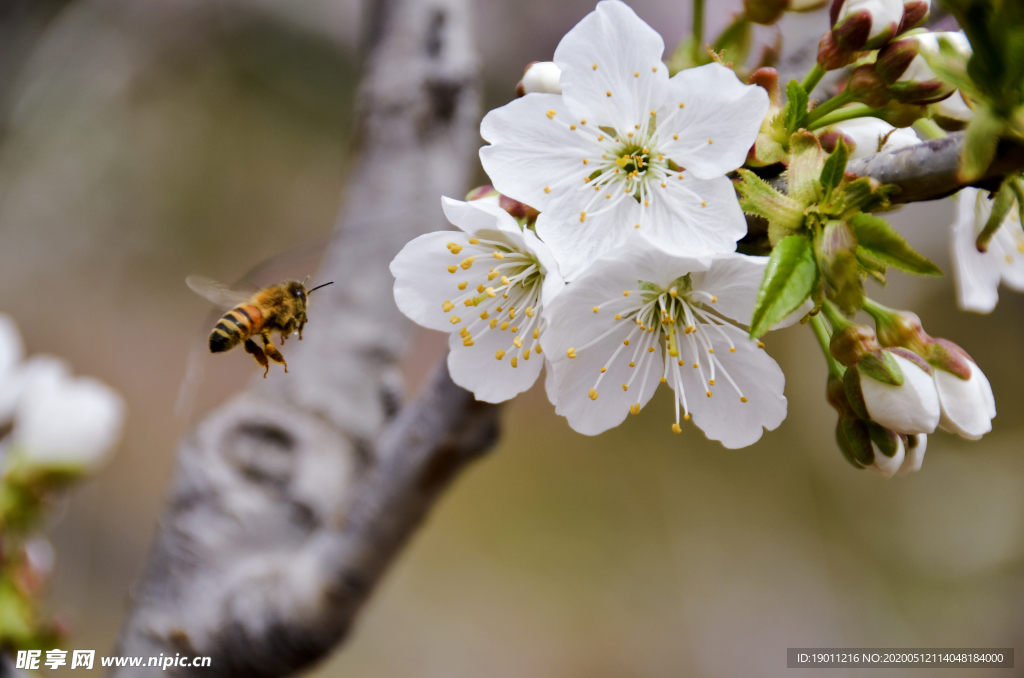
(256,352)
(272,352)
(301,325)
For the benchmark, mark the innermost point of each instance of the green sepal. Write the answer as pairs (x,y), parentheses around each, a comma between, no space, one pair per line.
(1001,204)
(873,267)
(851,383)
(980,143)
(863,194)
(888,443)
(854,441)
(835,166)
(878,239)
(789,279)
(806,160)
(784,214)
(882,367)
(794,114)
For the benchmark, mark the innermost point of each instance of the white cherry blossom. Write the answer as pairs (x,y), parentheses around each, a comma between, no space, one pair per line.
(867,136)
(625,151)
(978,274)
(643,317)
(487,285)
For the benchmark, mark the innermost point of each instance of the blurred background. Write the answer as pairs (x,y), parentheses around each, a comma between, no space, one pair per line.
(141,142)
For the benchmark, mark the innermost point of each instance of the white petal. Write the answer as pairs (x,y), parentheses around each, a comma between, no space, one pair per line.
(723,416)
(888,466)
(627,55)
(914,456)
(549,383)
(12,351)
(476,369)
(577,244)
(954,108)
(423,283)
(1007,249)
(530,151)
(68,421)
(718,124)
(867,133)
(976,274)
(38,372)
(481,219)
(733,280)
(553,282)
(967,405)
(694,215)
(911,408)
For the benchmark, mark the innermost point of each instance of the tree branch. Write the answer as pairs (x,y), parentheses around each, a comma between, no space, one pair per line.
(292,498)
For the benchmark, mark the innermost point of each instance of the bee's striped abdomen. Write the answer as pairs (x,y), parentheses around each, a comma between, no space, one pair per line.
(234,327)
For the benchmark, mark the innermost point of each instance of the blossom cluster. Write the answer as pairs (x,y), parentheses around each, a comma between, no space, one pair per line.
(605,251)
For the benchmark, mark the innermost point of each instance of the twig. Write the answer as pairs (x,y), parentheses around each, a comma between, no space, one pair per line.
(292,498)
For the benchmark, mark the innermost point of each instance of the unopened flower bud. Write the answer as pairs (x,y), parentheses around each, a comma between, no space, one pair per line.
(914,13)
(764,12)
(914,457)
(868,87)
(831,55)
(900,115)
(888,448)
(767,78)
(965,395)
(867,136)
(903,65)
(521,211)
(852,342)
(837,237)
(540,76)
(894,388)
(865,24)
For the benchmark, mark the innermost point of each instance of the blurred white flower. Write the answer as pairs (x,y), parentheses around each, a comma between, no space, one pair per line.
(11,349)
(642,316)
(978,274)
(625,152)
(864,136)
(968,405)
(496,274)
(67,422)
(953,110)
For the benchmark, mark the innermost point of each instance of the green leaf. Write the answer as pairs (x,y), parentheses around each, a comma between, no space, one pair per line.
(865,195)
(795,111)
(785,215)
(876,238)
(788,280)
(873,267)
(834,168)
(980,143)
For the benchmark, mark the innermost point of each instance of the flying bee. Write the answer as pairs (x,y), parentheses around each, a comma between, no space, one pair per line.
(278,308)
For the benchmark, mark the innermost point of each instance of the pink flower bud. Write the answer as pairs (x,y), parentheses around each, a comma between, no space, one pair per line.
(865,24)
(868,87)
(903,65)
(831,55)
(764,12)
(914,13)
(521,211)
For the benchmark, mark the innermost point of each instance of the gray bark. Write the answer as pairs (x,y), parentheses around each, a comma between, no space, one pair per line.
(291,499)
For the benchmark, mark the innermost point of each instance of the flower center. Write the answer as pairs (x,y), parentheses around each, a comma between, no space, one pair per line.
(679,322)
(503,298)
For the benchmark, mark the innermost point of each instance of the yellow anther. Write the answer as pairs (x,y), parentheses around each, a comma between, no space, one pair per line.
(536,333)
(447,306)
(526,354)
(676,137)
(515,362)
(634,408)
(511,313)
(455,320)
(664,380)
(680,363)
(711,141)
(464,331)
(711,382)
(485,315)
(676,429)
(456,248)
(713,298)
(618,317)
(682,105)
(629,134)
(596,309)
(601,138)
(695,366)
(518,341)
(636,74)
(469,302)
(650,349)
(498,309)
(504,326)
(632,364)
(593,394)
(625,387)
(547,189)
(463,284)
(467,262)
(515,329)
(551,113)
(453,268)
(530,312)
(711,350)
(500,354)
(709,394)
(647,203)
(583,121)
(760,345)
(474,241)
(480,288)
(490,292)
(637,226)
(608,196)
(572,127)
(703,203)
(609,93)
(583,216)
(625,342)
(663,184)
(594,67)
(536,348)
(571,353)
(504,280)
(686,417)
(732,349)
(468,341)
(585,161)
(625,293)
(673,292)
(492,275)
(493,323)
(499,255)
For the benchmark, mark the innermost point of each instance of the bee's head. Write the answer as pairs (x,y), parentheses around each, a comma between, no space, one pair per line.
(298,290)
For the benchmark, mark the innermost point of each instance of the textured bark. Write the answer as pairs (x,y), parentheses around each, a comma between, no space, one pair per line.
(292,498)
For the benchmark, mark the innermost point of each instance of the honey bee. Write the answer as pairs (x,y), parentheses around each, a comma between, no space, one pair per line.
(278,308)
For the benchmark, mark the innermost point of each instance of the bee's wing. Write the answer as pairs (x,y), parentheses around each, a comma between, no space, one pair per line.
(216,293)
